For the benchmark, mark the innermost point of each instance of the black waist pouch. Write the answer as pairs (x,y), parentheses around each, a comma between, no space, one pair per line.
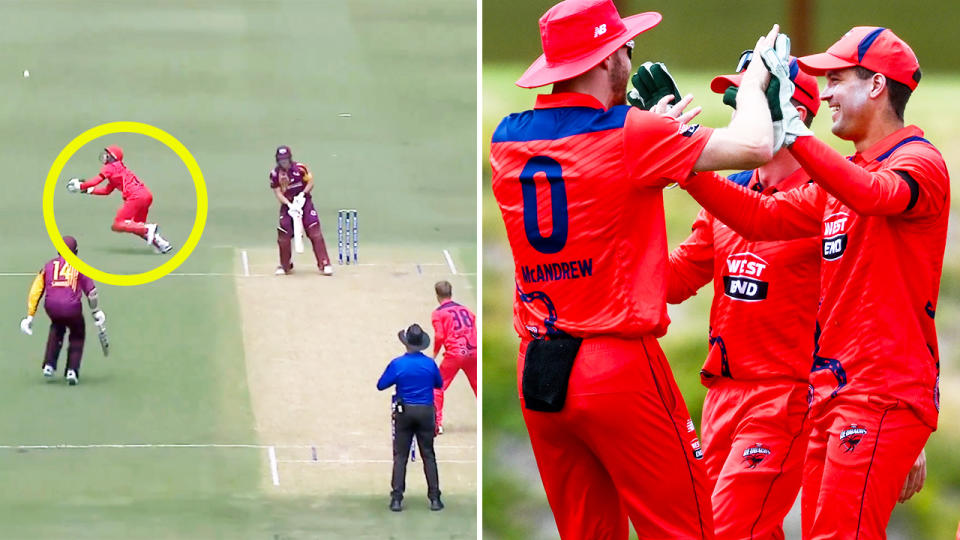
(546,372)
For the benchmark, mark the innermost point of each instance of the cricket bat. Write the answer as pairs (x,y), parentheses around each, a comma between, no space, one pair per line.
(298,234)
(104,342)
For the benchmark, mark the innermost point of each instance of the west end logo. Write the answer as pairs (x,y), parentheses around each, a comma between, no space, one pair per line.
(744,279)
(835,235)
(754,455)
(851,437)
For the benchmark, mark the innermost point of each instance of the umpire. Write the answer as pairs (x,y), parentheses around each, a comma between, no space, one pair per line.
(416,376)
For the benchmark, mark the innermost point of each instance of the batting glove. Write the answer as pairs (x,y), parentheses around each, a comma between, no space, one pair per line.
(26,325)
(99,318)
(299,201)
(73,185)
(294,212)
(787,125)
(651,83)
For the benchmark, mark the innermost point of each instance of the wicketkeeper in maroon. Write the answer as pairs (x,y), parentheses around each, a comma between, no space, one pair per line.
(64,287)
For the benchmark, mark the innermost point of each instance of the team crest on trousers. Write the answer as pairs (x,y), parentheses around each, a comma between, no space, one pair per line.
(754,455)
(850,437)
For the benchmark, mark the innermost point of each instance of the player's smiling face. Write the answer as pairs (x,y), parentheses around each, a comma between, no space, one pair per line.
(848,97)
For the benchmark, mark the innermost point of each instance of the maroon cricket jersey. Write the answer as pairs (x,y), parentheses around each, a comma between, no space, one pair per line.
(64,287)
(291,182)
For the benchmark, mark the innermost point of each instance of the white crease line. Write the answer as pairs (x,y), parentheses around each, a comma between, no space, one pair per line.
(352,461)
(246,263)
(192,445)
(272,453)
(453,269)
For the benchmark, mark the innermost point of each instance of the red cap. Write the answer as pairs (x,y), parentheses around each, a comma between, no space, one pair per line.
(579,34)
(875,48)
(805,89)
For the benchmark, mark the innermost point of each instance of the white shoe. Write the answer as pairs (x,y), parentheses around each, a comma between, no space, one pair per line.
(279,271)
(72,377)
(48,371)
(151,232)
(328,270)
(439,430)
(162,246)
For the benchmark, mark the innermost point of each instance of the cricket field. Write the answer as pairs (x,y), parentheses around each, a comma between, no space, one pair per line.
(235,403)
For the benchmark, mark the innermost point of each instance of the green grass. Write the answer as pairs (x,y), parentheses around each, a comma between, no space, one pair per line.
(231,82)
(517,507)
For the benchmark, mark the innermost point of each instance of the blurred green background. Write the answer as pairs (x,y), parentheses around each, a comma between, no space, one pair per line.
(698,40)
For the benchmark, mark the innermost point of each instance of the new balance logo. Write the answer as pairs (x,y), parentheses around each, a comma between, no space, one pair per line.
(600,30)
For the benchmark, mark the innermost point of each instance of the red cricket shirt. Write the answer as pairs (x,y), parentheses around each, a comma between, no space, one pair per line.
(580,190)
(763,315)
(882,218)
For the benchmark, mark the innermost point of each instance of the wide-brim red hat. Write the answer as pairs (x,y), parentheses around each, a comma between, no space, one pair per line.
(579,34)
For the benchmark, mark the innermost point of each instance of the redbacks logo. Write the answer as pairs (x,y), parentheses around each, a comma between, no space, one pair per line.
(835,235)
(754,455)
(850,437)
(744,279)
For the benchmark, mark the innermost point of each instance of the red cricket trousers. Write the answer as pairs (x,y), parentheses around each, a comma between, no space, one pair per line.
(859,454)
(754,443)
(448,370)
(623,449)
(132,216)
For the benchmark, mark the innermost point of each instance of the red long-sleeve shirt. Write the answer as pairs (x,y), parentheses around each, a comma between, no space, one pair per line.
(882,219)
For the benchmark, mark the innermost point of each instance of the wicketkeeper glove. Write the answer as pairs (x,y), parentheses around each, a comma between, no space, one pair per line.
(650,84)
(73,185)
(26,325)
(787,125)
(99,318)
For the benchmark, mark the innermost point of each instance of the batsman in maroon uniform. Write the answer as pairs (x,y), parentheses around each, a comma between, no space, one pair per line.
(64,287)
(292,183)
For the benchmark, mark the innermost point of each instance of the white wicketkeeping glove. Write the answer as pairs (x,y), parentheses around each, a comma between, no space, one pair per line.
(787,125)
(73,185)
(99,318)
(26,325)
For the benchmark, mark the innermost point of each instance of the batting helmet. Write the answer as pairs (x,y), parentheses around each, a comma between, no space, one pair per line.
(284,153)
(111,153)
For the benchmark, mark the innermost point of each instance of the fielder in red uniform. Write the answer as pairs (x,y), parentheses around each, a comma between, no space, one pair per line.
(64,287)
(455,327)
(761,324)
(579,182)
(132,216)
(292,183)
(882,219)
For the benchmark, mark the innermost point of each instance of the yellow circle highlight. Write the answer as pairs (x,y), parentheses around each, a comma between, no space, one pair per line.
(49,219)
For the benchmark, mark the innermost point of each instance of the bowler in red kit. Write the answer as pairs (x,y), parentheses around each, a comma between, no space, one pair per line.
(455,327)
(579,183)
(132,215)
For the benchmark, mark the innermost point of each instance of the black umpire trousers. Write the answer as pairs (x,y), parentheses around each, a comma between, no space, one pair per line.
(419,420)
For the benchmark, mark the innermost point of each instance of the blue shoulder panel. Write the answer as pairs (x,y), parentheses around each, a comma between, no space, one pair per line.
(552,124)
(741,178)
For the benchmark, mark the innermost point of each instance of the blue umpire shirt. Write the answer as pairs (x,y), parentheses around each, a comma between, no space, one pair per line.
(415,374)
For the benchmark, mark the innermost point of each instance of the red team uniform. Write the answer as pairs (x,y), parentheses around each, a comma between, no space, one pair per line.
(761,343)
(580,190)
(882,221)
(455,331)
(132,216)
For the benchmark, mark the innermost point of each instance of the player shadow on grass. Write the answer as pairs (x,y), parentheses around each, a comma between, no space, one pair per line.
(128,251)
